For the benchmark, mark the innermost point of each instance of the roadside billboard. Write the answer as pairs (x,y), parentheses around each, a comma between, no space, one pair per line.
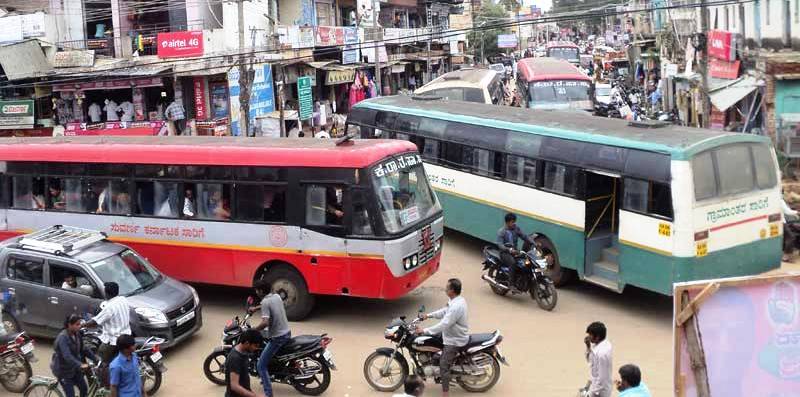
(506,41)
(16,114)
(738,337)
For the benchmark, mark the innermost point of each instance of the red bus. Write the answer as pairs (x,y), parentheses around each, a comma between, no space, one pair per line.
(564,50)
(549,83)
(313,216)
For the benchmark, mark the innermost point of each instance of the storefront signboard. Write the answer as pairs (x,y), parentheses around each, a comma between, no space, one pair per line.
(350,53)
(304,98)
(721,46)
(350,35)
(33,25)
(306,38)
(723,70)
(334,77)
(16,114)
(180,44)
(330,35)
(506,41)
(11,29)
(262,96)
(200,111)
(118,128)
(111,84)
(73,59)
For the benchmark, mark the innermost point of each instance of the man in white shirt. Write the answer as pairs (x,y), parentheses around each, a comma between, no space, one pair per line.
(111,109)
(95,112)
(598,355)
(114,320)
(127,111)
(453,327)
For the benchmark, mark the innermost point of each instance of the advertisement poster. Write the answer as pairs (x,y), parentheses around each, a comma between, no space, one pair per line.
(750,333)
(262,96)
(180,44)
(720,45)
(201,113)
(306,38)
(219,100)
(16,114)
(350,53)
(506,41)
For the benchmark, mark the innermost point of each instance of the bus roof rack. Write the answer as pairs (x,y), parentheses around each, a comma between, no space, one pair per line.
(61,240)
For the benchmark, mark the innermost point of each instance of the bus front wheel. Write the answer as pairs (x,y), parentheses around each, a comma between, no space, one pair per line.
(560,276)
(290,286)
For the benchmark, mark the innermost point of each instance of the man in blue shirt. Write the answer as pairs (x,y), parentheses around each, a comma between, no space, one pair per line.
(507,240)
(630,383)
(125,378)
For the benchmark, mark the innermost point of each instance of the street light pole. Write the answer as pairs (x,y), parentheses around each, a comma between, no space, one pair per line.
(377,35)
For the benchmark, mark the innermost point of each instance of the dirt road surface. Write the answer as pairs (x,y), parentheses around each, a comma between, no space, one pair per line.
(545,349)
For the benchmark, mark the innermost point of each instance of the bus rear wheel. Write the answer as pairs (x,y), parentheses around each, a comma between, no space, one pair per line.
(290,286)
(558,274)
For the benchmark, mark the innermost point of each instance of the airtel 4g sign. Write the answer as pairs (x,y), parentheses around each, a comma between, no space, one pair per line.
(721,45)
(180,44)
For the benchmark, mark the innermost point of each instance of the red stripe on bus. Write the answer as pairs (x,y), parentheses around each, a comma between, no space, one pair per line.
(755,218)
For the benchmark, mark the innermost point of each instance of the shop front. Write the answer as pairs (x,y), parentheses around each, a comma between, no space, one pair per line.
(125,106)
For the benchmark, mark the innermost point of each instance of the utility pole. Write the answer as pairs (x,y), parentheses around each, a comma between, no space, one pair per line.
(429,20)
(377,38)
(244,81)
(704,66)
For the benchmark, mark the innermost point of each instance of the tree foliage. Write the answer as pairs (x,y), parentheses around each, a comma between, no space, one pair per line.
(489,15)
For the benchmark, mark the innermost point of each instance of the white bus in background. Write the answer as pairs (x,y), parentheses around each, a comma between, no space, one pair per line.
(469,85)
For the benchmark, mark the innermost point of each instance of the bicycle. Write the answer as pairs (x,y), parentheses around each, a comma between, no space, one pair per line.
(43,386)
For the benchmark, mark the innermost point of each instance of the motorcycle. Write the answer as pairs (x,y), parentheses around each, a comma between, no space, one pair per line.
(148,350)
(475,369)
(304,363)
(530,277)
(16,356)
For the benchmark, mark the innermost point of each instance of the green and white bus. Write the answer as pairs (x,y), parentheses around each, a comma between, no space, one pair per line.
(616,203)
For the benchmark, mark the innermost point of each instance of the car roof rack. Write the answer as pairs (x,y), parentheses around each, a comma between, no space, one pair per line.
(61,240)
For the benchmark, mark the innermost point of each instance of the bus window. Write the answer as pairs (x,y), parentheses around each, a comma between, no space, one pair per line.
(157,199)
(261,203)
(635,195)
(74,191)
(28,192)
(735,169)
(480,160)
(453,154)
(521,170)
(430,150)
(765,167)
(705,179)
(361,221)
(213,201)
(324,205)
(560,178)
(432,127)
(114,197)
(661,199)
(261,174)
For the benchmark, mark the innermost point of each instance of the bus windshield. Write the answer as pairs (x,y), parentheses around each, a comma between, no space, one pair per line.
(404,195)
(565,53)
(559,93)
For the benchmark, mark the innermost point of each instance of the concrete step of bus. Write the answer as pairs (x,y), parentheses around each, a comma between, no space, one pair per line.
(604,282)
(610,254)
(605,269)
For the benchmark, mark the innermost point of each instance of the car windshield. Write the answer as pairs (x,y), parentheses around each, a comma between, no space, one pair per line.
(558,92)
(459,94)
(565,53)
(404,195)
(130,271)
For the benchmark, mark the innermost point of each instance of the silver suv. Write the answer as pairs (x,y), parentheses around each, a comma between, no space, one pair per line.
(49,274)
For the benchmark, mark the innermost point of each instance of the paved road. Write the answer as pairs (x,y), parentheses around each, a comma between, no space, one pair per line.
(544,348)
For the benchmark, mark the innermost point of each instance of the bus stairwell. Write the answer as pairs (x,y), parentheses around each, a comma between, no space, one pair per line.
(601,264)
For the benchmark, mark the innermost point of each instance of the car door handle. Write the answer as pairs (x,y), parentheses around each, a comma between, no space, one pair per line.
(53,300)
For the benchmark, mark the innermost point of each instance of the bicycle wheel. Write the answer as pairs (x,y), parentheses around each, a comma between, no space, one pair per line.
(42,390)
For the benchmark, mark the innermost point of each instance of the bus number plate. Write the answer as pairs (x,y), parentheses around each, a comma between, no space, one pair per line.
(702,248)
(665,229)
(773,230)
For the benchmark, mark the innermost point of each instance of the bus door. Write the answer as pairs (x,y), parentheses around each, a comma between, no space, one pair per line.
(602,192)
(323,236)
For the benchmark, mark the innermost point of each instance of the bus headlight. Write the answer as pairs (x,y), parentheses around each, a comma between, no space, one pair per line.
(407,263)
(437,245)
(414,261)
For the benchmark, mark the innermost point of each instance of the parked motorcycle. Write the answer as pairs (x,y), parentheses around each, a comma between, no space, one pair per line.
(16,356)
(530,276)
(148,350)
(304,363)
(475,369)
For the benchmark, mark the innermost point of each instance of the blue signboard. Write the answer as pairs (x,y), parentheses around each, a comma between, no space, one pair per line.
(262,96)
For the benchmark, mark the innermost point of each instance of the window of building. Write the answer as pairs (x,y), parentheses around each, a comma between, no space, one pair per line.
(28,270)
(560,178)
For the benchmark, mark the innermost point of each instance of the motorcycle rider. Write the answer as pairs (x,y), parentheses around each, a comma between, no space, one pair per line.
(273,318)
(507,238)
(453,327)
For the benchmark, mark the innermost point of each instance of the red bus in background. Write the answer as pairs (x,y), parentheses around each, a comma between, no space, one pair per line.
(311,216)
(549,83)
(564,50)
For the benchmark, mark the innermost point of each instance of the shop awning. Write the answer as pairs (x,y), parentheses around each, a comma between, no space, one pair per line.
(23,60)
(724,97)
